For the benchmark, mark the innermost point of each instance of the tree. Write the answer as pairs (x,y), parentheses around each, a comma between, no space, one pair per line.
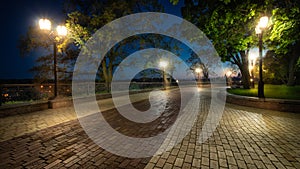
(275,68)
(196,62)
(230,25)
(83,19)
(86,17)
(43,69)
(40,41)
(284,35)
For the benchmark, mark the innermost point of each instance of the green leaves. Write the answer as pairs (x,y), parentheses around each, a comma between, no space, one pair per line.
(285,29)
(174,2)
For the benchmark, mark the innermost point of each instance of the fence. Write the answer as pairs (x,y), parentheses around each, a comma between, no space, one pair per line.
(15,93)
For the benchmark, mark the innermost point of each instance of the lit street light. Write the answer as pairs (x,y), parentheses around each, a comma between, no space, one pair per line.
(45,24)
(198,71)
(263,23)
(163,64)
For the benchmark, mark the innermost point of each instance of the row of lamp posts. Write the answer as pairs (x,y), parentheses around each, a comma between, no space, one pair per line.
(45,24)
(164,64)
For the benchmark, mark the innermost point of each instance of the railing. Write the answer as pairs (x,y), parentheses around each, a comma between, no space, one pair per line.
(19,93)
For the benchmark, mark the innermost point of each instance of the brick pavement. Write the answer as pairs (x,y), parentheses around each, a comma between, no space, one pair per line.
(13,126)
(245,138)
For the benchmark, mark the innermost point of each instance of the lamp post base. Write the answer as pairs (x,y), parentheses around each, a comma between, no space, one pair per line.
(252,84)
(261,89)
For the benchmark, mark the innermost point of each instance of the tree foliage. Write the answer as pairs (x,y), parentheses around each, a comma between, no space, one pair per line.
(86,17)
(275,68)
(284,36)
(40,41)
(230,25)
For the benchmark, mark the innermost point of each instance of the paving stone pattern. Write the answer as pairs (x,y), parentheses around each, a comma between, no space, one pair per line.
(13,126)
(245,138)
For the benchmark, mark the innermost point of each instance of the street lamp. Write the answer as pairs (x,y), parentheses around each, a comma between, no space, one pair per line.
(263,23)
(198,71)
(163,64)
(45,24)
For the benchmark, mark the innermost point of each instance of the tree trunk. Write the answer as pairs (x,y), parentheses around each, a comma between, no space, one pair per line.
(291,77)
(105,75)
(292,64)
(110,74)
(245,69)
(242,63)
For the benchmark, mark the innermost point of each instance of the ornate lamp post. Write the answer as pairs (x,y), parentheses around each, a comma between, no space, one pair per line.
(163,64)
(263,23)
(45,24)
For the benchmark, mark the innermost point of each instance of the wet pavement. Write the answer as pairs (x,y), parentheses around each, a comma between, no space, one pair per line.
(245,138)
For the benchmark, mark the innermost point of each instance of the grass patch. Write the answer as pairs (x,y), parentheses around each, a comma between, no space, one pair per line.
(16,102)
(271,91)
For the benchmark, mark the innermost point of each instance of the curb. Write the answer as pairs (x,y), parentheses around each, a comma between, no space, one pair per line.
(24,108)
(265,103)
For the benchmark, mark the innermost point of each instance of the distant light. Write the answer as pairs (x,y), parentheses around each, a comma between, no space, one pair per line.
(198,70)
(251,80)
(61,30)
(177,81)
(163,64)
(263,22)
(229,73)
(42,86)
(5,95)
(45,24)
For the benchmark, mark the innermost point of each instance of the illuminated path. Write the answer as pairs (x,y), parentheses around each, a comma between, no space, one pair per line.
(245,138)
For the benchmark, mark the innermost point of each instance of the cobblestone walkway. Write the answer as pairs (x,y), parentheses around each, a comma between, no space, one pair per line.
(13,126)
(245,138)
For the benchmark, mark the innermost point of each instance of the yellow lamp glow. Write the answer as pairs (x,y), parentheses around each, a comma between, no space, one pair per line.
(45,24)
(263,22)
(163,64)
(228,73)
(61,30)
(198,70)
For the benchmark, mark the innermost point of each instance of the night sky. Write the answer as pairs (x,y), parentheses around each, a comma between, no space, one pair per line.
(16,17)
